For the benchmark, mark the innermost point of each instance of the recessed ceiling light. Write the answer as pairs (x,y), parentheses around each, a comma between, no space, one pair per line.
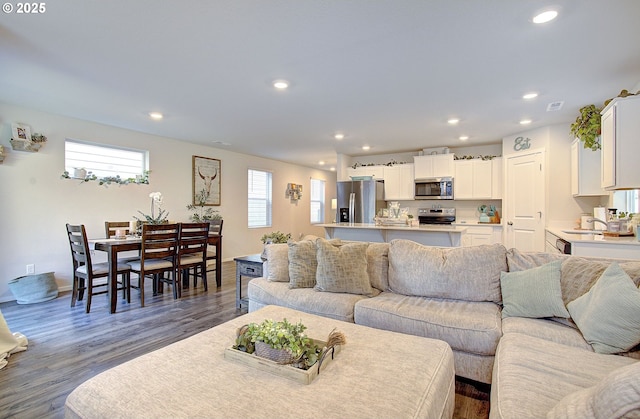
(463,137)
(525,122)
(453,121)
(531,95)
(339,136)
(321,162)
(366,147)
(545,17)
(156,115)
(333,169)
(280,84)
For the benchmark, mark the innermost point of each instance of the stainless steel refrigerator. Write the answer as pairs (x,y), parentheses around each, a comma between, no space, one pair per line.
(360,200)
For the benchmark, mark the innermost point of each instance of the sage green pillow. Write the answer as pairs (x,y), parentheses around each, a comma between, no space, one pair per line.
(533,293)
(608,316)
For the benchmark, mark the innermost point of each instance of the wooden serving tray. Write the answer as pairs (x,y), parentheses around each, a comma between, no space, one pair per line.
(616,234)
(286,371)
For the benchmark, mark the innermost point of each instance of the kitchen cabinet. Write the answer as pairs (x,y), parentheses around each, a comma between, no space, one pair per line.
(496,178)
(585,173)
(398,182)
(620,128)
(377,172)
(436,165)
(478,235)
(473,179)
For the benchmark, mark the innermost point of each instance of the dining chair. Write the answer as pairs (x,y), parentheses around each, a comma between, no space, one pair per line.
(110,228)
(216,227)
(85,272)
(158,254)
(192,255)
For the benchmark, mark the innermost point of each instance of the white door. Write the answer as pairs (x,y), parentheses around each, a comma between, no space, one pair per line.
(525,201)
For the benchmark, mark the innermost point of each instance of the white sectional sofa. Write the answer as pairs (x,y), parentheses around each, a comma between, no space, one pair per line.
(528,346)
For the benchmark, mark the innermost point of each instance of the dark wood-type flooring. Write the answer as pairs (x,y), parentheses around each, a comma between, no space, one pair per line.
(68,346)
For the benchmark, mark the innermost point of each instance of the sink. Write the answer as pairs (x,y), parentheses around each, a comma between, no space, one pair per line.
(582,231)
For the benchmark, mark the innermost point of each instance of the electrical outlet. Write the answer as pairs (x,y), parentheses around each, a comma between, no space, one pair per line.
(31,269)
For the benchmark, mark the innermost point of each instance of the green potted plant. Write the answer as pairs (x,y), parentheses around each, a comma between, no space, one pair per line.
(202,213)
(275,237)
(284,342)
(587,127)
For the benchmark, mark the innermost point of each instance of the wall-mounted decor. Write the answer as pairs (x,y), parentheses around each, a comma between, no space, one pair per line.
(294,191)
(22,140)
(1,153)
(206,181)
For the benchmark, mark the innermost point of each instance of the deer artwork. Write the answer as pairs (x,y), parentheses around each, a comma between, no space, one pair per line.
(208,180)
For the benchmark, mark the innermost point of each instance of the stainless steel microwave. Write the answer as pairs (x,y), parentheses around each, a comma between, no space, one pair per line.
(434,188)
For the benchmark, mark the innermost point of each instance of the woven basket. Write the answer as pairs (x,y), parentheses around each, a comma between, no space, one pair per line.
(281,356)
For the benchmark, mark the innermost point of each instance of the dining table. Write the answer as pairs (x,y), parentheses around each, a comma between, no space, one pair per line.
(113,246)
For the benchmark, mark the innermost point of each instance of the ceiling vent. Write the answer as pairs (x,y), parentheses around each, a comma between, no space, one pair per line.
(555,106)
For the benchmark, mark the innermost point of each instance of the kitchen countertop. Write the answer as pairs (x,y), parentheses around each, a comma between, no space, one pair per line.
(592,238)
(404,227)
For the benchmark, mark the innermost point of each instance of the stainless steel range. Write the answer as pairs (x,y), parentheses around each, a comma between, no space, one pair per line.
(436,215)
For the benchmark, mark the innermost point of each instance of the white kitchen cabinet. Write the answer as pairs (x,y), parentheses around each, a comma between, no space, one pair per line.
(496,178)
(585,171)
(478,235)
(473,179)
(620,146)
(398,182)
(436,165)
(377,172)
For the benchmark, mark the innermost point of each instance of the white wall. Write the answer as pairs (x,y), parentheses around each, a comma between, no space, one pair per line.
(35,203)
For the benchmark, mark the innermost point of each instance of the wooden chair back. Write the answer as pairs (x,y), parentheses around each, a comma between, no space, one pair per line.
(193,240)
(215,226)
(159,241)
(110,228)
(79,245)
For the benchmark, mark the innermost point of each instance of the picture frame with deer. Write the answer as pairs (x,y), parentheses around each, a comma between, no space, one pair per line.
(206,181)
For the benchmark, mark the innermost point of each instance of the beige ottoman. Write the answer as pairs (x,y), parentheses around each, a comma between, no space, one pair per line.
(377,374)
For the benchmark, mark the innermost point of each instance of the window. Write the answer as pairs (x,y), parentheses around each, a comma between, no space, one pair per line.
(259,198)
(104,161)
(627,201)
(317,201)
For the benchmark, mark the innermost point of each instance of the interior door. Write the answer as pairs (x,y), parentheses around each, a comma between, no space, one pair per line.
(525,201)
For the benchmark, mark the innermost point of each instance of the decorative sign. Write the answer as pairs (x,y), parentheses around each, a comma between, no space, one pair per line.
(520,144)
(206,181)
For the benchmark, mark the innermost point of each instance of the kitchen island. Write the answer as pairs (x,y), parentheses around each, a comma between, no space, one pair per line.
(599,245)
(430,235)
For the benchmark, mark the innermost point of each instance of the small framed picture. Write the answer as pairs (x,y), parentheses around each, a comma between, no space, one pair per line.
(206,181)
(21,132)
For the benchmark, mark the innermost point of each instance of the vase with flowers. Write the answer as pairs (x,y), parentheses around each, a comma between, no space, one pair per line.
(160,218)
(201,212)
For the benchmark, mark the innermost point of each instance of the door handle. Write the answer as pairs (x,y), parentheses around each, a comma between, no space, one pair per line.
(510,223)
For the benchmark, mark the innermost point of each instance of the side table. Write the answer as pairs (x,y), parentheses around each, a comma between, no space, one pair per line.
(250,266)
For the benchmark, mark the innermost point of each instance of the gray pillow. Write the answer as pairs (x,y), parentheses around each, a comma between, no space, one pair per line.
(302,264)
(608,316)
(343,269)
(277,262)
(533,293)
(616,396)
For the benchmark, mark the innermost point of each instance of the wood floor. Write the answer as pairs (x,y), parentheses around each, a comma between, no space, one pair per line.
(68,346)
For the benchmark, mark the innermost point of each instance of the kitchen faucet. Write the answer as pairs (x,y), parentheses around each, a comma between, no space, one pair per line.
(593,220)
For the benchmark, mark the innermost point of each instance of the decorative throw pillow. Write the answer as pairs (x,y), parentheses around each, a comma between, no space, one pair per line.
(277,266)
(608,316)
(616,396)
(378,265)
(533,293)
(343,269)
(302,264)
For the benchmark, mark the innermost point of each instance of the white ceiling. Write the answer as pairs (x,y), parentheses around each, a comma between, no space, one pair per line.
(387,73)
